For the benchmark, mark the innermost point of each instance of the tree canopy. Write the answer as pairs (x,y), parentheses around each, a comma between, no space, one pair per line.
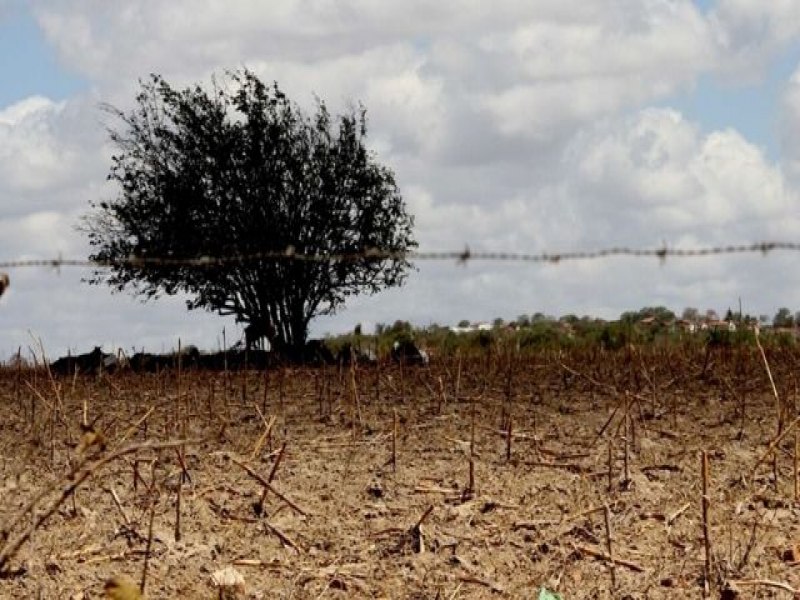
(242,173)
(783,318)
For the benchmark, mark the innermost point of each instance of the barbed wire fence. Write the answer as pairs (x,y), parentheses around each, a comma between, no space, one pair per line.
(459,256)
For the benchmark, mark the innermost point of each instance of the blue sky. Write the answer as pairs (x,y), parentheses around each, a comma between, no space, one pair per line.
(516,127)
(751,108)
(28,64)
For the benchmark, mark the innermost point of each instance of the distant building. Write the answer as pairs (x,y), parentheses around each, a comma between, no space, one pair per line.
(717,325)
(471,328)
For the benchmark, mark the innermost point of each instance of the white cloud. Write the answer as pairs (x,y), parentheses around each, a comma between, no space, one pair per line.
(660,176)
(69,315)
(510,125)
(52,155)
(750,32)
(406,108)
(571,73)
(636,180)
(533,68)
(639,181)
(30,154)
(39,235)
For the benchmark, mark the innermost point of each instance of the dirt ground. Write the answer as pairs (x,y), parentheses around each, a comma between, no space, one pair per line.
(342,520)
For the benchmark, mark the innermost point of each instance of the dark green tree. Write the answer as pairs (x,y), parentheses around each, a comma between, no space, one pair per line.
(241,171)
(783,318)
(659,313)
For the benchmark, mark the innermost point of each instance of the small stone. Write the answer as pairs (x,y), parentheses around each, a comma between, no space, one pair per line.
(229,581)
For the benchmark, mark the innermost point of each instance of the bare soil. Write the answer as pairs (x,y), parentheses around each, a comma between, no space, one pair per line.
(345,521)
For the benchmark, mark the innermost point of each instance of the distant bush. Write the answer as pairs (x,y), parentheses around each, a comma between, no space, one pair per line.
(539,335)
(567,332)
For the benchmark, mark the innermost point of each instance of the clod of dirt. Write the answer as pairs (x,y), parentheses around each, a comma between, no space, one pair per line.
(540,552)
(729,592)
(375,490)
(791,554)
(771,503)
(52,567)
(337,583)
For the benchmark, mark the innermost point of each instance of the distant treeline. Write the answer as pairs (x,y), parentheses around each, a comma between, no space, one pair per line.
(401,341)
(647,326)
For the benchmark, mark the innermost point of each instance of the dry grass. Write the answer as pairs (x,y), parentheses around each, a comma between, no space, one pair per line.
(311,487)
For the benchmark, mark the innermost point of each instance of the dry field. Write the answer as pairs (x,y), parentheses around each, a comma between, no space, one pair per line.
(389,482)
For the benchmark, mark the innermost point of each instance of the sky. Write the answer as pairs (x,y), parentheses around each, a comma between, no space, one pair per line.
(522,126)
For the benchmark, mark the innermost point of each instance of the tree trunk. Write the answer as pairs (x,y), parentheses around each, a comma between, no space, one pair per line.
(286,333)
(299,333)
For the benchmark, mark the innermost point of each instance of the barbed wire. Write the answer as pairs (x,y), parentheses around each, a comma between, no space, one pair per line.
(461,256)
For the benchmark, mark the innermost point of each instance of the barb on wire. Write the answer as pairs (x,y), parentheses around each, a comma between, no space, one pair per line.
(459,256)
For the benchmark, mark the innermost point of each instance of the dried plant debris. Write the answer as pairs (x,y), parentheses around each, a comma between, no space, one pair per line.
(333,522)
(121,588)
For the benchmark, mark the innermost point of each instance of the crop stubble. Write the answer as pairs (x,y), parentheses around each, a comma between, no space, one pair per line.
(382,482)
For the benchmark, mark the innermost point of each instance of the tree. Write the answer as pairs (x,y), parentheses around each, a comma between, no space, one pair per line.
(401,327)
(783,318)
(690,314)
(242,172)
